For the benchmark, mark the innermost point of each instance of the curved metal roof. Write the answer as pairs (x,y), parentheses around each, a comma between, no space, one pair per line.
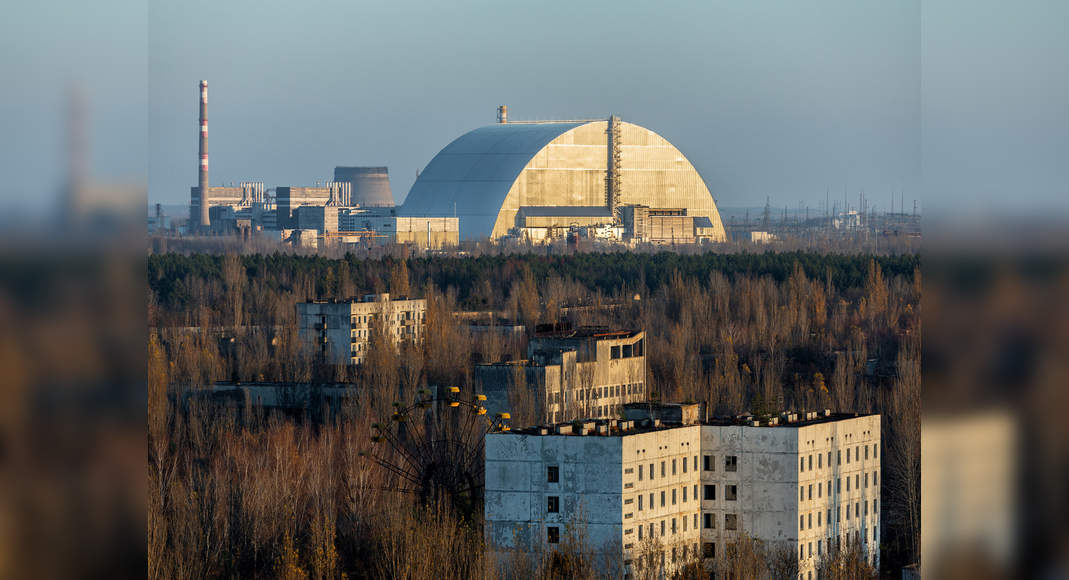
(475,172)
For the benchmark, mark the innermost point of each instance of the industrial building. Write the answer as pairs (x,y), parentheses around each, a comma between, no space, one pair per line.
(370,185)
(339,332)
(571,374)
(288,200)
(537,181)
(663,486)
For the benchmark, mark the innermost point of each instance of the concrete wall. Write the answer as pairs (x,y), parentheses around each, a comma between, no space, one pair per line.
(517,491)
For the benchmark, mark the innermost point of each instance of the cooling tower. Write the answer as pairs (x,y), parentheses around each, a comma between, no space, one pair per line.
(370,185)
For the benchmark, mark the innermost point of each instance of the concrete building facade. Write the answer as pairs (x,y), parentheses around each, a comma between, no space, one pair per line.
(576,374)
(340,331)
(807,483)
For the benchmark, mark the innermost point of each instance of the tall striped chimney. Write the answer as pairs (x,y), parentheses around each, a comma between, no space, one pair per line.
(205,222)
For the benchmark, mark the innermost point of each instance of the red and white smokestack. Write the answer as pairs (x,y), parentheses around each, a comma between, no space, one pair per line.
(205,222)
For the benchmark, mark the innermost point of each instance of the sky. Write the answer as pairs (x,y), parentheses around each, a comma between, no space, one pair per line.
(952,102)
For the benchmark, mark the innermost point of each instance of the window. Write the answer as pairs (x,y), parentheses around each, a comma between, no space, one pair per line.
(801,493)
(732,493)
(552,474)
(801,522)
(662,528)
(874,456)
(695,527)
(731,522)
(709,550)
(820,461)
(614,352)
(866,480)
(731,463)
(662,469)
(857,510)
(820,489)
(673,497)
(684,518)
(640,473)
(819,523)
(673,467)
(662,499)
(811,463)
(857,481)
(809,521)
(866,452)
(651,501)
(708,521)
(839,454)
(553,535)
(651,472)
(684,465)
(801,464)
(695,492)
(819,551)
(839,485)
(684,494)
(553,504)
(874,484)
(640,532)
(874,510)
(694,466)
(848,455)
(707,463)
(829,459)
(848,483)
(710,492)
(640,502)
(673,526)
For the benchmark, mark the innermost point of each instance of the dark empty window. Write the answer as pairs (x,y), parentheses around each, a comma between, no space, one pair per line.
(628,351)
(552,474)
(553,535)
(731,522)
(553,504)
(638,348)
(708,521)
(710,492)
(732,493)
(707,463)
(731,463)
(614,352)
(709,550)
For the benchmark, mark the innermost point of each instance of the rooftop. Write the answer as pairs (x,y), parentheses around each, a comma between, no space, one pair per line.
(615,427)
(565,330)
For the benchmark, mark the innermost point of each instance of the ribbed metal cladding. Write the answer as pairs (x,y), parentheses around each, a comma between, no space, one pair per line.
(370,186)
(202,182)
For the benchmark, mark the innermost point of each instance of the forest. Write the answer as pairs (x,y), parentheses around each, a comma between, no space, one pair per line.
(261,495)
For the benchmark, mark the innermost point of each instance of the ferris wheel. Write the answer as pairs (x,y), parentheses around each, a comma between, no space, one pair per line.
(434,447)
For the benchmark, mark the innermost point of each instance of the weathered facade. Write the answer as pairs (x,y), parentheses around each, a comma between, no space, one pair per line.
(340,331)
(655,493)
(586,373)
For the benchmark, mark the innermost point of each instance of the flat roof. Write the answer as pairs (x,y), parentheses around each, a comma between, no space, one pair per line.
(598,332)
(619,427)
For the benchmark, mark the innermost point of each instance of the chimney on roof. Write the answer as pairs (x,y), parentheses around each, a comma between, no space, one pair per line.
(503,114)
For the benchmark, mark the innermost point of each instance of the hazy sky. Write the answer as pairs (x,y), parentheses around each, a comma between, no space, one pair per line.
(769,98)
(959,103)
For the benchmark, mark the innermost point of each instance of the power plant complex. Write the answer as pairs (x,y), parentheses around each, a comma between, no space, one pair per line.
(524,181)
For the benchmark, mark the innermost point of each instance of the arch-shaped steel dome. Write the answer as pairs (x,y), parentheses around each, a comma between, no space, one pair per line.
(486,175)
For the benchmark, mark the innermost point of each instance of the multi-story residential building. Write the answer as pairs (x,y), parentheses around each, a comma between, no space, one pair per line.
(571,374)
(340,331)
(654,492)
